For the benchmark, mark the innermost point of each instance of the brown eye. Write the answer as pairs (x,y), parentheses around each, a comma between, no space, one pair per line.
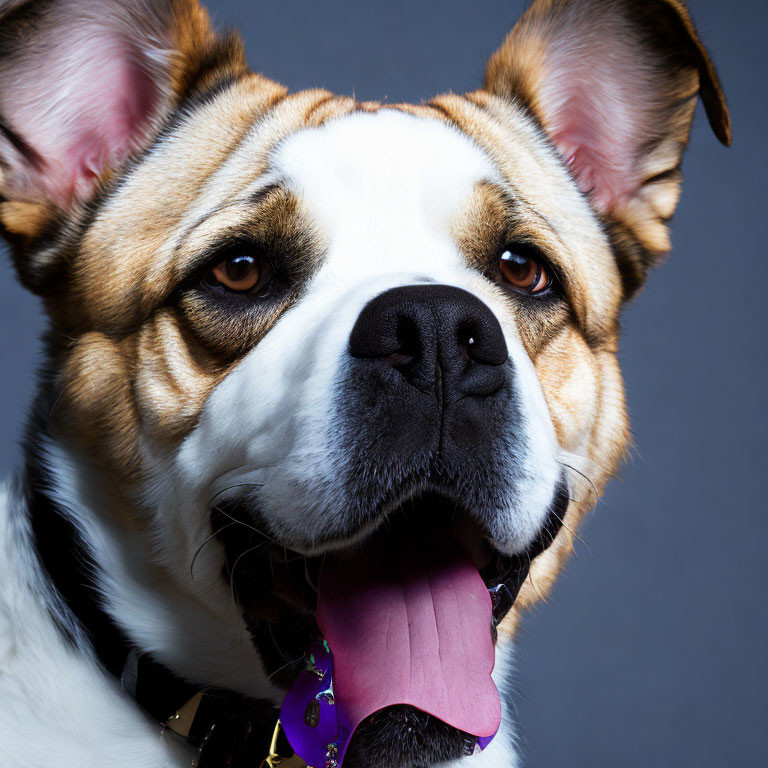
(239,273)
(523,272)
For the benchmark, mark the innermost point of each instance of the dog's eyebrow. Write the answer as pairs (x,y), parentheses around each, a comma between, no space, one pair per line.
(515,203)
(252,198)
(537,214)
(246,204)
(515,200)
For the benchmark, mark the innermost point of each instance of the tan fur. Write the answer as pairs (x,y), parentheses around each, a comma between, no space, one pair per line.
(24,221)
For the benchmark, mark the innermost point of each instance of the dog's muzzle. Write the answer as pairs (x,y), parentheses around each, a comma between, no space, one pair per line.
(428,365)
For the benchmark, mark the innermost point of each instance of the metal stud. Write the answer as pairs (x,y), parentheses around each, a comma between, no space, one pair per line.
(312,714)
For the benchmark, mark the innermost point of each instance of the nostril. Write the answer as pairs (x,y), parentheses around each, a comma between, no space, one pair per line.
(399,358)
(465,338)
(481,340)
(408,342)
(408,336)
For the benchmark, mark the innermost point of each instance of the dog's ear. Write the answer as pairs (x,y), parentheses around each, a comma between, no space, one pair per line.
(614,83)
(84,84)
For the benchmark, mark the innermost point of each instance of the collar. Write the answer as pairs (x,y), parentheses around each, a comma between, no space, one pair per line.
(223,728)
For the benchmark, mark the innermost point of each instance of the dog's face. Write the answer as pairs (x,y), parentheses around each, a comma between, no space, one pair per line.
(280,320)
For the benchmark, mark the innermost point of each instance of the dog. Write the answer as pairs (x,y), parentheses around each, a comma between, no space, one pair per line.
(328,385)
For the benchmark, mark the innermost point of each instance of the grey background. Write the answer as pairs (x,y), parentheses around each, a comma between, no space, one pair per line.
(652,651)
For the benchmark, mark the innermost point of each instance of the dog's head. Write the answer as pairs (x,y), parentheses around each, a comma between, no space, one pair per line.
(288,327)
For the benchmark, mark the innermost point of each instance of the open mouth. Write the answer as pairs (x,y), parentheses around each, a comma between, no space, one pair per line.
(410,614)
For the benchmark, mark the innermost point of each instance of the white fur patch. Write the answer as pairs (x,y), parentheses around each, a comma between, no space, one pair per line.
(57,707)
(192,626)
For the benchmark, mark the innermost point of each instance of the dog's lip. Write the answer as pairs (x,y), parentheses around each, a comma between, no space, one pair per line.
(473,540)
(292,581)
(451,514)
(293,571)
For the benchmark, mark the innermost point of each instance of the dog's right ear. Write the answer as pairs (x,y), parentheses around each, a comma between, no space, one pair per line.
(84,84)
(614,84)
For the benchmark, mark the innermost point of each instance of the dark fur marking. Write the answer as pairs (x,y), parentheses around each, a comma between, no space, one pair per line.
(63,554)
(439,108)
(318,105)
(632,259)
(71,572)
(28,152)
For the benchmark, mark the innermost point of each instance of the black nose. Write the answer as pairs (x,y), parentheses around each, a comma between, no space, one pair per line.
(438,337)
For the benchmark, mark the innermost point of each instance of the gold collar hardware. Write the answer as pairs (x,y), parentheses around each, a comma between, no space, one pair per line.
(273,759)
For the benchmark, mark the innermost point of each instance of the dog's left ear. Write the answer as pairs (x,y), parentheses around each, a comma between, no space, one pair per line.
(615,83)
(84,85)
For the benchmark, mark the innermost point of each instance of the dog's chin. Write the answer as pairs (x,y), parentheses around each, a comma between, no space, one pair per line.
(277,589)
(404,737)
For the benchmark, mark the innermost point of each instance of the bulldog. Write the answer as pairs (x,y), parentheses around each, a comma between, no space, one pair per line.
(328,385)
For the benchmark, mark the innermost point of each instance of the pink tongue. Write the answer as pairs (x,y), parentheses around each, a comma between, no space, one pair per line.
(409,622)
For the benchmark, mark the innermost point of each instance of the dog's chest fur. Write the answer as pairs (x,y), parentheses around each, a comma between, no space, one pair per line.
(58,705)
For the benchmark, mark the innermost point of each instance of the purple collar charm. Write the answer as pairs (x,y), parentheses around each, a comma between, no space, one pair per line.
(314,724)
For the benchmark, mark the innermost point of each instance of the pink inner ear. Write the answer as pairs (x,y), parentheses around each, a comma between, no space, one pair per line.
(113,107)
(81,101)
(595,147)
(596,100)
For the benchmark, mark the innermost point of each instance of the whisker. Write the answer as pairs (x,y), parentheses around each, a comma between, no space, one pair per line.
(285,666)
(583,475)
(574,457)
(234,567)
(570,456)
(56,401)
(247,525)
(232,487)
(307,576)
(200,548)
(533,584)
(277,647)
(572,532)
